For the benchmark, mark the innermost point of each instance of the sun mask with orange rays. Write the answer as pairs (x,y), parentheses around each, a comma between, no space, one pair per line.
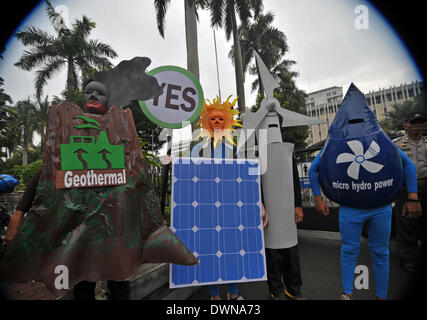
(217,120)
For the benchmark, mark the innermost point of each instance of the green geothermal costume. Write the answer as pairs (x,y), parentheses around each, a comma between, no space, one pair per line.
(97,232)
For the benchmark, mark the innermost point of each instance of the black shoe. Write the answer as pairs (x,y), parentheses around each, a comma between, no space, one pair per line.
(408,267)
(279,295)
(294,296)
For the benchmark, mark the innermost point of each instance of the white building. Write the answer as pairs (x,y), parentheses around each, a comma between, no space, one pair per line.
(324,104)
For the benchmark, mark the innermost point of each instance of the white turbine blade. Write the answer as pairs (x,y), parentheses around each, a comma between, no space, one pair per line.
(372,167)
(353,170)
(267,79)
(356,146)
(252,120)
(345,157)
(372,151)
(294,119)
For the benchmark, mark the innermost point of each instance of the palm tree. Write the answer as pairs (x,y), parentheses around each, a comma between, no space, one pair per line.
(7,115)
(223,14)
(395,118)
(69,48)
(266,40)
(27,121)
(191,7)
(41,114)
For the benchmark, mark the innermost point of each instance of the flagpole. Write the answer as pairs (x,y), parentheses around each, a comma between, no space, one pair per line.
(217,69)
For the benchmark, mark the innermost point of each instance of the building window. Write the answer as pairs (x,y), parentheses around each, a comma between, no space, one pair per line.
(369,101)
(378,99)
(388,95)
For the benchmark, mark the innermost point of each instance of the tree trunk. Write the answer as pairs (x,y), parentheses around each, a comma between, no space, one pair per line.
(191,38)
(191,41)
(71,81)
(24,147)
(260,85)
(238,64)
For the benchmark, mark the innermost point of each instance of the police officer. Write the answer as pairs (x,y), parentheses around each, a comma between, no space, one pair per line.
(409,229)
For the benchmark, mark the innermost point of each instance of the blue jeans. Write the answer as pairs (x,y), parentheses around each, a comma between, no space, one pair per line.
(379,228)
(232,289)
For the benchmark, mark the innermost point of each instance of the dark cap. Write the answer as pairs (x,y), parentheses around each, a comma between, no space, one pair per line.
(416,118)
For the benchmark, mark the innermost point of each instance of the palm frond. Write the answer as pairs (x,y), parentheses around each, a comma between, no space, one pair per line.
(82,28)
(51,13)
(34,36)
(161,6)
(44,74)
(217,13)
(243,8)
(97,48)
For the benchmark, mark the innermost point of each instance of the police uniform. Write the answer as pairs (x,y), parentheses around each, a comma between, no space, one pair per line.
(410,230)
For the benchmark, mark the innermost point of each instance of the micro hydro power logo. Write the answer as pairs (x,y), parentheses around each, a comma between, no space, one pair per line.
(360,158)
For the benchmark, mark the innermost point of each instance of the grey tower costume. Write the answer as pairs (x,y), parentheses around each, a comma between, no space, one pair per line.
(277,186)
(276,161)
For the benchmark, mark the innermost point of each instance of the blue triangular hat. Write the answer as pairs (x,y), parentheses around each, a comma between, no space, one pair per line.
(354,118)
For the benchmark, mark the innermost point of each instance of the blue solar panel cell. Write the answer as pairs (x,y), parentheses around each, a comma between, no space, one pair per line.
(216,213)
(229,216)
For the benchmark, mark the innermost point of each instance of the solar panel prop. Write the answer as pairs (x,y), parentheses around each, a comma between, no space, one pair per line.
(216,212)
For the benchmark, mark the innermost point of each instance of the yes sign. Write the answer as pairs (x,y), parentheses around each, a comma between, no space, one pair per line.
(182,99)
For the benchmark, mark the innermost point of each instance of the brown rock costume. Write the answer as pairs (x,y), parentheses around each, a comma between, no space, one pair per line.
(98,233)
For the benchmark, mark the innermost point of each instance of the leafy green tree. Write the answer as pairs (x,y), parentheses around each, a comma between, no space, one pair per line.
(269,42)
(27,122)
(191,17)
(69,48)
(7,115)
(223,14)
(148,132)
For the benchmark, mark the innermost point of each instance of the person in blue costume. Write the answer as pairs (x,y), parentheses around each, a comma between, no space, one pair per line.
(364,184)
(216,122)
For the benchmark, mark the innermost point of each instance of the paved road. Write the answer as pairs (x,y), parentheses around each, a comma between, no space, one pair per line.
(321,273)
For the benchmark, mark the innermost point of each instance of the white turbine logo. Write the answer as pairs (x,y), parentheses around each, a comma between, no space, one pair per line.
(359,158)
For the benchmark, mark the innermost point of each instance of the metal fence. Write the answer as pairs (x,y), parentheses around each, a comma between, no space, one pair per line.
(161,178)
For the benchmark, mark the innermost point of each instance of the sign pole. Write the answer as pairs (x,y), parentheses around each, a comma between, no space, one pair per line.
(166,173)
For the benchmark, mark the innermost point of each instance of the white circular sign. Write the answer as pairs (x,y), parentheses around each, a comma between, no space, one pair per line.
(182,99)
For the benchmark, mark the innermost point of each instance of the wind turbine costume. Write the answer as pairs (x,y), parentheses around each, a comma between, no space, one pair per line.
(276,167)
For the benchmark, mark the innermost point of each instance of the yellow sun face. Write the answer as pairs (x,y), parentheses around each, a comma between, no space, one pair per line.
(217,120)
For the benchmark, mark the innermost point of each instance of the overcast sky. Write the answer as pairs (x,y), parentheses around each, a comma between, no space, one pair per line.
(321,34)
(322,37)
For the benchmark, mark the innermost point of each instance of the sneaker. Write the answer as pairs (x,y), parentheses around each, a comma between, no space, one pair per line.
(236,298)
(294,297)
(346,297)
(279,296)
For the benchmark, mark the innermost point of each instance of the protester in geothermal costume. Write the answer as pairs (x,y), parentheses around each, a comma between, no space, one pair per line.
(97,232)
(216,123)
(360,169)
